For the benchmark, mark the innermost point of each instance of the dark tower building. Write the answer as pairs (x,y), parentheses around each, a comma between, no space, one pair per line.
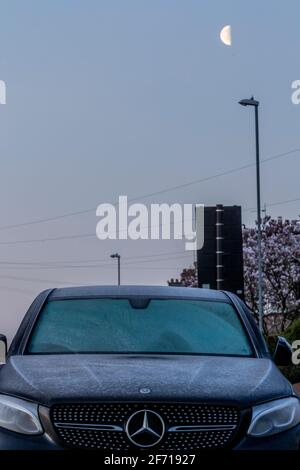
(220,261)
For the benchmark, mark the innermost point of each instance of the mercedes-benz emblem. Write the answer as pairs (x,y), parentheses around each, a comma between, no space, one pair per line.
(145,428)
(145,390)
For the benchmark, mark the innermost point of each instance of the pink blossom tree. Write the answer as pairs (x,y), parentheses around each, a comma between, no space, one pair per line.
(281,271)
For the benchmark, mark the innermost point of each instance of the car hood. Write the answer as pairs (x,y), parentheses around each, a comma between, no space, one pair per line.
(49,379)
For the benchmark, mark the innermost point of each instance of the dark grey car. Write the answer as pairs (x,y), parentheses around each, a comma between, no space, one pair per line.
(120,368)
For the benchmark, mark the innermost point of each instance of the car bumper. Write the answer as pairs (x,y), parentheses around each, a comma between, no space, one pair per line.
(288,440)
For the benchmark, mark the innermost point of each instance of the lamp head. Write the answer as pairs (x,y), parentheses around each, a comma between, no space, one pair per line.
(249,102)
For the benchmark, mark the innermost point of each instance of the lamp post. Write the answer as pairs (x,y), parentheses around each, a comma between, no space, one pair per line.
(255,104)
(118,256)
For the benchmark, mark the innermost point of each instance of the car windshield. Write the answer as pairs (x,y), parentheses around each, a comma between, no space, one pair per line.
(162,326)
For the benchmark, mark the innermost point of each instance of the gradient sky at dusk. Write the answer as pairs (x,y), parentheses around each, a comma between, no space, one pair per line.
(132,97)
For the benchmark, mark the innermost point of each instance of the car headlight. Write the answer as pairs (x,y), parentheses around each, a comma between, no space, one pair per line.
(274,417)
(19,416)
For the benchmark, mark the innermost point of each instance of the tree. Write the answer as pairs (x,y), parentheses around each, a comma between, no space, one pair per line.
(188,278)
(281,271)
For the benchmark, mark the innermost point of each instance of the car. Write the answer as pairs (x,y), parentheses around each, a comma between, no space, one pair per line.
(124,368)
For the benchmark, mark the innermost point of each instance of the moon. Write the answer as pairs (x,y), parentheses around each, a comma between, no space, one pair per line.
(225,35)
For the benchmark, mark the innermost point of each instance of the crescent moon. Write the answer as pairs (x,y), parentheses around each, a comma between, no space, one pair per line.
(225,35)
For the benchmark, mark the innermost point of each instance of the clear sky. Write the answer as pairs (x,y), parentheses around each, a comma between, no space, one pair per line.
(110,97)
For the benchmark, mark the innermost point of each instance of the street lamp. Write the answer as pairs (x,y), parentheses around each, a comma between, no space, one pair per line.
(116,255)
(253,102)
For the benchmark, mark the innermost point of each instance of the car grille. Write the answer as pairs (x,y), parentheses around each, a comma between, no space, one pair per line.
(186,426)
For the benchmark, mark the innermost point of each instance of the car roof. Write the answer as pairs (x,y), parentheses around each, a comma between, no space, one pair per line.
(82,292)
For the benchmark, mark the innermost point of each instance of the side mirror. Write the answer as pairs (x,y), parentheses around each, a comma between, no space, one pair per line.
(283,352)
(3,348)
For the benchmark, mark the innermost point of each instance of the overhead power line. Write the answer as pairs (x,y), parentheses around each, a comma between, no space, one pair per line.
(57,262)
(155,193)
(185,256)
(43,281)
(54,282)
(48,239)
(277,203)
(18,290)
(92,234)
